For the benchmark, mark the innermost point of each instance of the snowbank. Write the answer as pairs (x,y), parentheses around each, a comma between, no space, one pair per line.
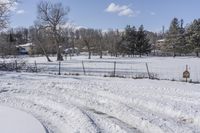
(15,121)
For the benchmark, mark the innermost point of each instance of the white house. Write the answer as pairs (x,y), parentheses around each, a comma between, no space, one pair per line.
(25,48)
(74,50)
(160,43)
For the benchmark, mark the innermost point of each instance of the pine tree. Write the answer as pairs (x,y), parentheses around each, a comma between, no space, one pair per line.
(182,46)
(172,37)
(142,43)
(194,36)
(130,39)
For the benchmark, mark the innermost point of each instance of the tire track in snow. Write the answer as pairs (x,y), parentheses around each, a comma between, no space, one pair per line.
(32,93)
(57,112)
(157,104)
(115,125)
(178,113)
(167,121)
(155,111)
(35,93)
(114,109)
(164,119)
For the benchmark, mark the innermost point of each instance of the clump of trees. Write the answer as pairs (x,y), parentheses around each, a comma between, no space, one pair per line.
(183,40)
(135,42)
(193,32)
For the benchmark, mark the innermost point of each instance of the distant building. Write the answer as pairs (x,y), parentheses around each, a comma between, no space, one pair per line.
(159,44)
(25,48)
(72,51)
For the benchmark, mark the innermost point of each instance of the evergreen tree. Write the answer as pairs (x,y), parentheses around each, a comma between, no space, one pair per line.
(182,46)
(122,46)
(194,36)
(130,39)
(173,37)
(142,43)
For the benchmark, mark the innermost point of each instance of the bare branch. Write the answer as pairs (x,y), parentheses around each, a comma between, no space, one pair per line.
(5,7)
(52,17)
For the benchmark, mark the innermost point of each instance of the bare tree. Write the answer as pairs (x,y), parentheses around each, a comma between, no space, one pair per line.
(113,39)
(87,38)
(98,42)
(5,6)
(52,17)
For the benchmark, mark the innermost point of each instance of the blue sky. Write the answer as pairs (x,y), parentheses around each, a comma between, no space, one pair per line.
(105,14)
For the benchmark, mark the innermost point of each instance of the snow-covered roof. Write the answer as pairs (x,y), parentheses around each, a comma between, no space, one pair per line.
(25,45)
(161,40)
(75,48)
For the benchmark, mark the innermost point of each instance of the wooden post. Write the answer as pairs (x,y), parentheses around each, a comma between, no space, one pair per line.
(186,70)
(16,66)
(36,67)
(114,74)
(59,68)
(148,71)
(83,68)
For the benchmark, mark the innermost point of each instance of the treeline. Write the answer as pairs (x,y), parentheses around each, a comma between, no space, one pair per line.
(50,36)
(93,41)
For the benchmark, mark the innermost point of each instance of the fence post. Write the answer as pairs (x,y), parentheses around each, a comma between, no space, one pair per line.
(148,71)
(59,68)
(83,68)
(36,70)
(16,66)
(114,74)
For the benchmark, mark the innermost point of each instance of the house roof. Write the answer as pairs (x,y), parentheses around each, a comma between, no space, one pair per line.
(25,45)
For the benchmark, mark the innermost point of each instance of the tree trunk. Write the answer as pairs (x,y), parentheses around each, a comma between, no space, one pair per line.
(59,56)
(47,56)
(44,52)
(89,49)
(101,54)
(48,59)
(197,54)
(89,56)
(89,52)
(174,54)
(56,42)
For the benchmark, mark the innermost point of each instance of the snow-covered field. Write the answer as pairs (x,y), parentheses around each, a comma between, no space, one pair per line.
(162,67)
(73,104)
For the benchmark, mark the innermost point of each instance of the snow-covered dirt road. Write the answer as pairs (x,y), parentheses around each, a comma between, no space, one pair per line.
(67,104)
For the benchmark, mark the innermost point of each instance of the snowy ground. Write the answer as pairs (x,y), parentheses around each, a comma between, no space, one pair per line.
(163,67)
(109,105)
(15,121)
